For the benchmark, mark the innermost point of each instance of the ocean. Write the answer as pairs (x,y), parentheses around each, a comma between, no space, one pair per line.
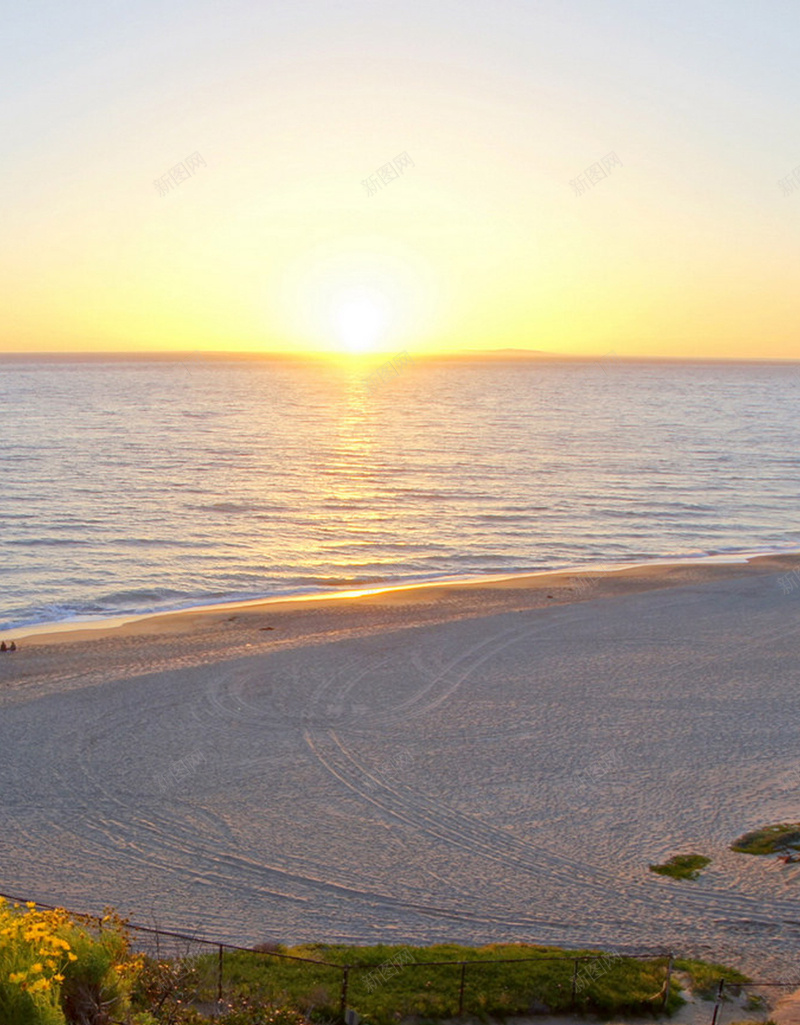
(137,486)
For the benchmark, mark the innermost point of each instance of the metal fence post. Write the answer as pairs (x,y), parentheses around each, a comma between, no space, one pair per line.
(219,975)
(343,1003)
(461,990)
(666,983)
(719,1001)
(574,984)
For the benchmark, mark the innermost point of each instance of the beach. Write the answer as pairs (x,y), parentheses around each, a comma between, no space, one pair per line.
(466,762)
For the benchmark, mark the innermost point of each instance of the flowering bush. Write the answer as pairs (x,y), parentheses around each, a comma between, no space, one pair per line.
(33,958)
(98,982)
(54,972)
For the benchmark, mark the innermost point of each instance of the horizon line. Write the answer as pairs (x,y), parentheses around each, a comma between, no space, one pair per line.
(498,355)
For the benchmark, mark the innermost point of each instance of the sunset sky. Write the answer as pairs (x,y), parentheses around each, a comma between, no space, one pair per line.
(688,247)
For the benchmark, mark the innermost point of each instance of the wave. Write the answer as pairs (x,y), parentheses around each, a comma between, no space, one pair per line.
(359,581)
(267,491)
(46,542)
(241,507)
(135,597)
(145,601)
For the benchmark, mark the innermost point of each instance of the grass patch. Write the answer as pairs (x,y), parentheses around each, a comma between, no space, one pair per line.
(682,866)
(705,976)
(531,980)
(777,839)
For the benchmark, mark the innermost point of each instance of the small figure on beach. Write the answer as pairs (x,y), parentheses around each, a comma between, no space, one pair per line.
(12,646)
(7,647)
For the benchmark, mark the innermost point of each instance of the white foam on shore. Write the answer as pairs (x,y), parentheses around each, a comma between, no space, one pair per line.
(111,622)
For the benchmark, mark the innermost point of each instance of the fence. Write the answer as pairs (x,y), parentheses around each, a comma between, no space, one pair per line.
(211,971)
(732,1000)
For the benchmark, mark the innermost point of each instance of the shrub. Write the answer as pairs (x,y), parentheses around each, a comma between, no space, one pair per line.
(682,866)
(54,972)
(785,836)
(33,958)
(98,982)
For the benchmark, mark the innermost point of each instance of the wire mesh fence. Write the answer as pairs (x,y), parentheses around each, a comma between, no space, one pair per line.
(391,981)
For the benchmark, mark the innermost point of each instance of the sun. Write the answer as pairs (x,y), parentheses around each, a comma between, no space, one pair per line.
(360,318)
(355,296)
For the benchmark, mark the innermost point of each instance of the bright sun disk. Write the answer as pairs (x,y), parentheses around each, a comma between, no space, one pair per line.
(360,320)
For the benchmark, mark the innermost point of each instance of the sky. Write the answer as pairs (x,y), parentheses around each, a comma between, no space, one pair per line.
(562,175)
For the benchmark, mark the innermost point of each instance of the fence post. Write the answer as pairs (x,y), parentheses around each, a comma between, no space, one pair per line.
(719,1001)
(343,1003)
(574,984)
(219,974)
(666,983)
(461,990)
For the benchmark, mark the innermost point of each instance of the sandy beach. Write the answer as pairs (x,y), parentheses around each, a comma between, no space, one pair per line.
(473,763)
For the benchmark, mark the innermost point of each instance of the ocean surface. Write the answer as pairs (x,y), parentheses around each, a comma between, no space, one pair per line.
(129,487)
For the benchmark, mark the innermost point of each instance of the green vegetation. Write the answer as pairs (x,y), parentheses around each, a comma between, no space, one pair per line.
(779,839)
(682,866)
(611,986)
(528,980)
(705,976)
(54,971)
(62,969)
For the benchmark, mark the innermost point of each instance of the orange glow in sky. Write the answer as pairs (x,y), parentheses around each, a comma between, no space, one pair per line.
(562,176)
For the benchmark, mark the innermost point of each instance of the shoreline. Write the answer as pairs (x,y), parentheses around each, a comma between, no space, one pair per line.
(594,580)
(471,762)
(111,620)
